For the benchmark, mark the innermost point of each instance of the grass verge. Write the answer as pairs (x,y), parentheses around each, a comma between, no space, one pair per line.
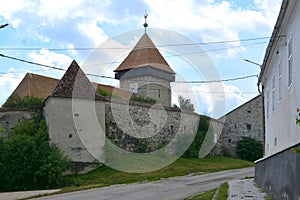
(104,176)
(223,192)
(208,195)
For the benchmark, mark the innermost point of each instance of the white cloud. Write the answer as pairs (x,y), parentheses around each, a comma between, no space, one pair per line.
(8,82)
(269,9)
(218,98)
(8,8)
(209,19)
(92,31)
(213,21)
(50,58)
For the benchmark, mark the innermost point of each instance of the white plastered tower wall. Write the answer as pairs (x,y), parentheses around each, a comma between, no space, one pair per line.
(77,127)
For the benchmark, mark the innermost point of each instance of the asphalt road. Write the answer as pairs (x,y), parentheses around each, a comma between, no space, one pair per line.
(177,188)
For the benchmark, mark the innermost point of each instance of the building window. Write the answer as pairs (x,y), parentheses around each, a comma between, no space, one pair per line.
(275,141)
(248,127)
(290,59)
(273,93)
(249,111)
(279,77)
(229,140)
(268,103)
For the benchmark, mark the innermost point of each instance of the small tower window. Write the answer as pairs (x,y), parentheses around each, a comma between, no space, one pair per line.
(248,127)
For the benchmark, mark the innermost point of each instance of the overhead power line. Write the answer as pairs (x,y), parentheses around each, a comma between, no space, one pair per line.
(163,45)
(188,53)
(224,80)
(102,76)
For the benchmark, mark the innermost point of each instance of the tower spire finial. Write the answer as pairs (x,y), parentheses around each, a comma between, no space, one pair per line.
(145,24)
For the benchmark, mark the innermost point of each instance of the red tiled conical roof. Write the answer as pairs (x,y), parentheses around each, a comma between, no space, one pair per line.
(143,54)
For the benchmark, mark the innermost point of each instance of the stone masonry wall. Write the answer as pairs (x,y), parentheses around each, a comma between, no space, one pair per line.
(10,117)
(142,129)
(244,121)
(80,127)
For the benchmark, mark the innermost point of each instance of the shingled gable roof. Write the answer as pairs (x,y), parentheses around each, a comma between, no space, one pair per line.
(143,54)
(74,84)
(35,85)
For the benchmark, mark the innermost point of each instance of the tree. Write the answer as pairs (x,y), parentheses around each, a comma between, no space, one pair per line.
(185,104)
(249,149)
(28,161)
(16,101)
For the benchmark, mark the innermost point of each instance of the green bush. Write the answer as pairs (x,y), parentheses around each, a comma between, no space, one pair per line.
(16,101)
(28,161)
(249,149)
(143,99)
(103,92)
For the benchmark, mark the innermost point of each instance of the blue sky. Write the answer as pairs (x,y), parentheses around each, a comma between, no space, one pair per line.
(51,33)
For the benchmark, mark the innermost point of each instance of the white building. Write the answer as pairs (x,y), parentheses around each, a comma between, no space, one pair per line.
(279,171)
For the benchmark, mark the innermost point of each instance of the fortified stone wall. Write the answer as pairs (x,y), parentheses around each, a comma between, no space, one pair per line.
(12,116)
(144,129)
(213,140)
(244,121)
(78,127)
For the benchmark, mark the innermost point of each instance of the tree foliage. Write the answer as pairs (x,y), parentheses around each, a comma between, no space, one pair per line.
(185,104)
(28,161)
(249,149)
(16,101)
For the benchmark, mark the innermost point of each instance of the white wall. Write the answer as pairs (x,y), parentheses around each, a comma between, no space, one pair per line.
(281,129)
(77,127)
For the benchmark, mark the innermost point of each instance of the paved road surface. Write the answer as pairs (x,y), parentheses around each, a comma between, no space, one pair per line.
(167,189)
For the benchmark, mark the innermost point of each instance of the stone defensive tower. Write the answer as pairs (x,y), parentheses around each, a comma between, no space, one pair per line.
(145,72)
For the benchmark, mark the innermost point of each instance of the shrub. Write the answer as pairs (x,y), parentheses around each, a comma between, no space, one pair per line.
(28,161)
(249,149)
(16,101)
(143,99)
(103,92)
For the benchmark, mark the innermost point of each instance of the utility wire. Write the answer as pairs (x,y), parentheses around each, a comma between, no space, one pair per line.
(163,45)
(189,53)
(101,76)
(114,62)
(216,81)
